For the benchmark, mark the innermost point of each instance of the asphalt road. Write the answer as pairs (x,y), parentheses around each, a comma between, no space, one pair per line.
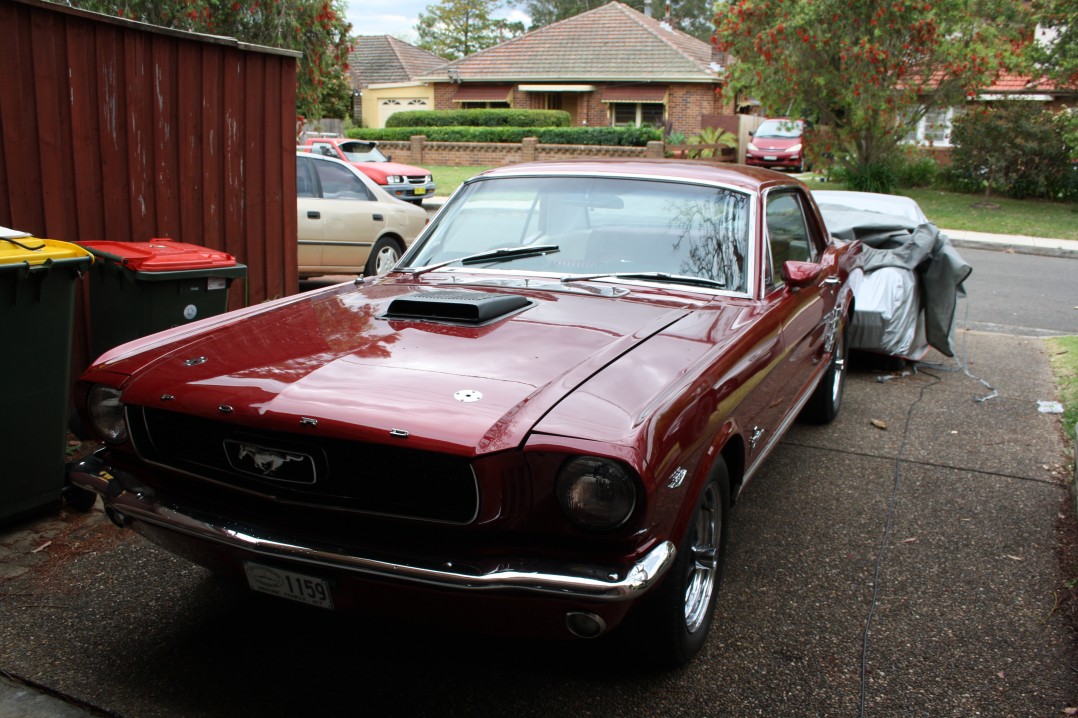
(1024,294)
(887,572)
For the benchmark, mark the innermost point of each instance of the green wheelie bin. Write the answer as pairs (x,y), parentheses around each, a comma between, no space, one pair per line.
(37,306)
(138,288)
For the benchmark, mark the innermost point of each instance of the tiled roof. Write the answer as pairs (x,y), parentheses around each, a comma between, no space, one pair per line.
(385,59)
(613,42)
(1020,83)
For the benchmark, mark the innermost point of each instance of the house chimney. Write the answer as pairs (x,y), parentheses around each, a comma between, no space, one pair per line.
(647,7)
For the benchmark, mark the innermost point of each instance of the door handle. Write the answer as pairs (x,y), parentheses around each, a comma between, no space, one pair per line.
(832,280)
(312,214)
(379,218)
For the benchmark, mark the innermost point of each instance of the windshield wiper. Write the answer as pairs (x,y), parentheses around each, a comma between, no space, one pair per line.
(502,254)
(658,276)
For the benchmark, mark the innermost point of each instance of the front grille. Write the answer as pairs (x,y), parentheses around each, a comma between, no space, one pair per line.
(310,470)
(417,179)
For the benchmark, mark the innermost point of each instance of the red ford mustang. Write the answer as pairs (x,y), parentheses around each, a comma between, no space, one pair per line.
(537,422)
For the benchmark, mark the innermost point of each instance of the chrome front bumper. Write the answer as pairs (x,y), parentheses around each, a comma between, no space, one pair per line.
(125,503)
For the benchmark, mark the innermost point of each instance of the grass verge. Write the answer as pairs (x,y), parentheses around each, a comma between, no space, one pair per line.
(1063,358)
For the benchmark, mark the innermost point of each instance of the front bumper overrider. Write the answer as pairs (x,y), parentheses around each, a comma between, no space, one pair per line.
(126,502)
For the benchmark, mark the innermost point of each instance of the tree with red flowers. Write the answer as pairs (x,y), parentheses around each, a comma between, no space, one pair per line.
(866,71)
(316,28)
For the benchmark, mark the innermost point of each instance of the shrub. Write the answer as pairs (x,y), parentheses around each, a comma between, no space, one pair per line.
(712,136)
(479,118)
(916,171)
(609,136)
(875,177)
(1014,148)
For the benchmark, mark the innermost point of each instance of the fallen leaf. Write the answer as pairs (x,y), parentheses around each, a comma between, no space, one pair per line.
(1014,558)
(1001,675)
(911,539)
(1069,711)
(879,424)
(42,547)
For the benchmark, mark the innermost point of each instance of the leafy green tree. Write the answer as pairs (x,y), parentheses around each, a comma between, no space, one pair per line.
(1056,49)
(867,71)
(1014,148)
(694,17)
(455,28)
(316,28)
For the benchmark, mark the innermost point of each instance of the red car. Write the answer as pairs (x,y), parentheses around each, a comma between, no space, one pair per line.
(535,424)
(777,143)
(407,182)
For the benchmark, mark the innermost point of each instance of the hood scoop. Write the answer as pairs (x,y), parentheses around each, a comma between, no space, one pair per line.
(456,307)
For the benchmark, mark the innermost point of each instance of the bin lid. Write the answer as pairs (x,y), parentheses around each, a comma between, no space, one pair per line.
(19,248)
(160,255)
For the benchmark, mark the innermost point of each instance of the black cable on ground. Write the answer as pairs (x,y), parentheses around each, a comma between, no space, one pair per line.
(887,537)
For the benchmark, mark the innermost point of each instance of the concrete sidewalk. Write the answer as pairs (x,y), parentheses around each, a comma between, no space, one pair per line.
(1013,243)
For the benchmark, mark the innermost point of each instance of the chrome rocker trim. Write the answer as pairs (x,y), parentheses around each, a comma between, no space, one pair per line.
(126,505)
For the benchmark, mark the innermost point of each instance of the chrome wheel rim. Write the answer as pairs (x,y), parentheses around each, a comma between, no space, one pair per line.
(385,259)
(838,364)
(704,558)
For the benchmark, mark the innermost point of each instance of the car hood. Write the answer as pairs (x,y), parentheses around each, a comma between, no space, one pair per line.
(378,171)
(333,360)
(775,143)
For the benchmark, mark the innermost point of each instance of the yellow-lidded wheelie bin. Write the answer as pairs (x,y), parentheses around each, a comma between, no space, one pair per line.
(138,288)
(37,306)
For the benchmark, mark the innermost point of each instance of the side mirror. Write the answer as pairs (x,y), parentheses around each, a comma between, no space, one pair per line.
(800,274)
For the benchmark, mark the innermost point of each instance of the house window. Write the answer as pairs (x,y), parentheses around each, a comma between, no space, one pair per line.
(482,105)
(636,113)
(935,127)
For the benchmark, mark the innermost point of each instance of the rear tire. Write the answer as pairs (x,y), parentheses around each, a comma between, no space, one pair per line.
(384,255)
(824,404)
(676,619)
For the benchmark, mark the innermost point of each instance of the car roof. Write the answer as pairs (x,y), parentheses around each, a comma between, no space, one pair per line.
(753,179)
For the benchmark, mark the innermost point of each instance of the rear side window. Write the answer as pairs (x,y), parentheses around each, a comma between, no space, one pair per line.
(338,182)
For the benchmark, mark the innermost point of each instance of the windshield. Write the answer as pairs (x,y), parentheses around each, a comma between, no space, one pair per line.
(362,152)
(788,129)
(598,226)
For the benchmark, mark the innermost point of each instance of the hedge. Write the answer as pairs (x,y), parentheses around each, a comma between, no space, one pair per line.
(479,118)
(608,136)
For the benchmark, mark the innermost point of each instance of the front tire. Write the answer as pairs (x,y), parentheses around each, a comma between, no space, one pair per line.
(384,255)
(677,619)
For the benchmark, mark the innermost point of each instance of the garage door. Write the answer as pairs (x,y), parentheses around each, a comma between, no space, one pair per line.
(388,107)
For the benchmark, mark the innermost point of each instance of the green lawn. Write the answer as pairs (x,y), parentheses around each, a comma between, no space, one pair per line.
(949,210)
(448,179)
(1063,356)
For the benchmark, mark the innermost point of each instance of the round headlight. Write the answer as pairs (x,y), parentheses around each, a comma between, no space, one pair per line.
(595,493)
(107,413)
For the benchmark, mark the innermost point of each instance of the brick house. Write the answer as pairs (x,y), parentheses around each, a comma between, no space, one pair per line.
(609,66)
(934,129)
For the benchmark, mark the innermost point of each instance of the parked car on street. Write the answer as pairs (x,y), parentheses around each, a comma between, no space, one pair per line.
(407,182)
(911,278)
(777,143)
(346,223)
(534,424)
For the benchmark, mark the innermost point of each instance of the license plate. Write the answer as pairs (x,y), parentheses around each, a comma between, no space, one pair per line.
(420,190)
(288,584)
(770,158)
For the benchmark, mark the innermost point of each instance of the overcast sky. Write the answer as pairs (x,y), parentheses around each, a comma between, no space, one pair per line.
(396,17)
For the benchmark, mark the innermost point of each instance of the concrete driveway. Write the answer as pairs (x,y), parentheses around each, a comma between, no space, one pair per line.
(900,568)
